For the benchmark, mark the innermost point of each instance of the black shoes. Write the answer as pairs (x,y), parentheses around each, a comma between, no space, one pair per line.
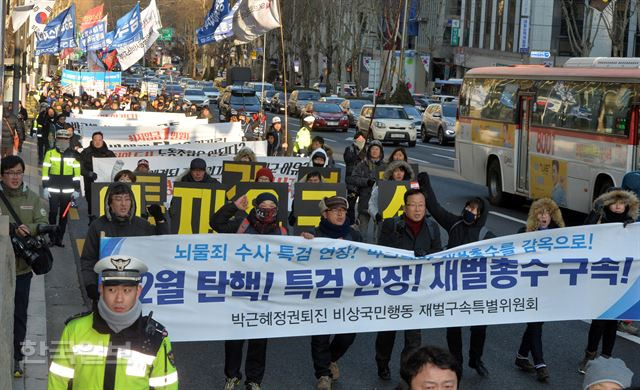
(383,372)
(525,365)
(479,367)
(542,374)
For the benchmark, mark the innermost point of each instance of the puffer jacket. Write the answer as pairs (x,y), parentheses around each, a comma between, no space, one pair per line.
(245,152)
(362,173)
(600,214)
(388,172)
(87,155)
(229,218)
(10,125)
(539,206)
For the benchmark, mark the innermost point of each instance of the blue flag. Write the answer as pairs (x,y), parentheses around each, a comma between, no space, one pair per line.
(108,38)
(93,38)
(128,28)
(59,34)
(206,33)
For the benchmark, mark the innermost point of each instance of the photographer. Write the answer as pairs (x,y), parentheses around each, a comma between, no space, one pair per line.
(31,211)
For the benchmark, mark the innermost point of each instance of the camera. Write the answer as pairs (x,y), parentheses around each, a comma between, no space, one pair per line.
(29,247)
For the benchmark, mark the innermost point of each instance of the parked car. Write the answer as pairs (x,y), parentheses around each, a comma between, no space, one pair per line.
(415,115)
(390,124)
(212,93)
(421,101)
(443,98)
(277,103)
(329,116)
(355,105)
(196,96)
(439,120)
(239,99)
(332,99)
(258,87)
(299,98)
(368,92)
(266,98)
(174,90)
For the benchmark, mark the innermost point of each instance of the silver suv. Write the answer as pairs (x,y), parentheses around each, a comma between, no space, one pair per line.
(439,120)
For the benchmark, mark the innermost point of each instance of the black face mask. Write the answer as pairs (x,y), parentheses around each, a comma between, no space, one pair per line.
(610,216)
(468,217)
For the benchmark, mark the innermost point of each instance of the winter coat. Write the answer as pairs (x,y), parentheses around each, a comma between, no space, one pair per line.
(32,106)
(459,232)
(329,162)
(245,152)
(536,208)
(365,171)
(631,182)
(112,226)
(395,233)
(187,178)
(319,152)
(353,235)
(274,149)
(31,210)
(598,213)
(352,156)
(87,155)
(10,125)
(229,218)
(388,172)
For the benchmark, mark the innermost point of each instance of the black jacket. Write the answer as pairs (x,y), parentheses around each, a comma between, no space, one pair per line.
(228,219)
(353,234)
(187,178)
(87,155)
(112,226)
(352,156)
(395,233)
(459,232)
(365,171)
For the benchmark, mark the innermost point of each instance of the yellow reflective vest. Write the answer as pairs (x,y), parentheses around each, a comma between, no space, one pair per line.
(91,356)
(61,171)
(303,140)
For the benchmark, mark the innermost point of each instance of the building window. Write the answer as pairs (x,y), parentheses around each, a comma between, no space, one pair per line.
(511,23)
(497,42)
(487,24)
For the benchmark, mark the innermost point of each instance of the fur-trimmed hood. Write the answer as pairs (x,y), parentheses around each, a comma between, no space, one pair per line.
(544,204)
(245,152)
(388,172)
(320,152)
(614,195)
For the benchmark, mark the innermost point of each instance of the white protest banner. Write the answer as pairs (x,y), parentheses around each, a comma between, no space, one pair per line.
(161,117)
(145,135)
(193,150)
(236,286)
(285,169)
(133,52)
(81,121)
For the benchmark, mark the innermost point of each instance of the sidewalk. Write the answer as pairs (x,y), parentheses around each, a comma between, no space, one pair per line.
(46,316)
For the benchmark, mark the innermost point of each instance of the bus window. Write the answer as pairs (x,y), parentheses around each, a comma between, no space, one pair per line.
(615,109)
(478,97)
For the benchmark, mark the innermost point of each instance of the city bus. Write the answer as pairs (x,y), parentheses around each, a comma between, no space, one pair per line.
(533,131)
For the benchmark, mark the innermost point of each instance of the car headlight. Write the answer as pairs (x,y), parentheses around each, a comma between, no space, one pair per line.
(412,127)
(379,124)
(344,118)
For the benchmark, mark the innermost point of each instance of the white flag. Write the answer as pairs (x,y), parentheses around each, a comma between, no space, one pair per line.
(40,15)
(133,52)
(254,18)
(19,15)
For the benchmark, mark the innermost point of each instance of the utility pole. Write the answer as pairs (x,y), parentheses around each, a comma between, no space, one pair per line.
(403,40)
(2,29)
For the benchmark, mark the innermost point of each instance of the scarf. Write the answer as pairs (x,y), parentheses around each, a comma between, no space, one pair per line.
(610,216)
(335,231)
(414,226)
(260,226)
(119,321)
(359,144)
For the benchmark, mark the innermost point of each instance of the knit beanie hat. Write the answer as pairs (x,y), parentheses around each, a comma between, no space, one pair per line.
(607,370)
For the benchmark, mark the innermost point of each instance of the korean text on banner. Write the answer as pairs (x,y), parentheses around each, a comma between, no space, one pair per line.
(128,28)
(237,286)
(59,34)
(133,52)
(206,33)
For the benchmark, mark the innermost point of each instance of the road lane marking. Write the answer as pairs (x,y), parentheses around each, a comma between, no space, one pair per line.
(497,214)
(450,150)
(417,159)
(441,156)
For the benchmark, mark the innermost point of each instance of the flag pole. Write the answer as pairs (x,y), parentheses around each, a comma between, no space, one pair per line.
(2,29)
(284,79)
(264,59)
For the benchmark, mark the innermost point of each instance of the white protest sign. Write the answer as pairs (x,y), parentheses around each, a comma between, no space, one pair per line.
(192,150)
(236,286)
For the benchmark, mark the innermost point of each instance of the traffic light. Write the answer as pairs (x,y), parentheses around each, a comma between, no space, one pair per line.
(600,5)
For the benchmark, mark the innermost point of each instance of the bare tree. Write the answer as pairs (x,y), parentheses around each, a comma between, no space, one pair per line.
(616,20)
(580,36)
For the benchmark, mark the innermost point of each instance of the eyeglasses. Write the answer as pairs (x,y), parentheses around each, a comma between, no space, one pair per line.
(14,173)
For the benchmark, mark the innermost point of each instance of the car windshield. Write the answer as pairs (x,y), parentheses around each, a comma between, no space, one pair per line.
(209,89)
(390,113)
(251,100)
(269,93)
(449,110)
(194,92)
(308,95)
(412,112)
(326,107)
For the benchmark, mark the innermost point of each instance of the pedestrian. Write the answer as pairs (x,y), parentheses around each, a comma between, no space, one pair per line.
(362,179)
(11,130)
(303,137)
(398,153)
(30,209)
(311,177)
(264,175)
(262,219)
(197,173)
(544,214)
(273,149)
(45,127)
(319,158)
(431,368)
(114,346)
(97,148)
(463,228)
(276,128)
(615,205)
(416,232)
(119,220)
(607,374)
(318,143)
(205,113)
(352,156)
(142,166)
(61,175)
(245,155)
(395,171)
(125,176)
(23,125)
(325,352)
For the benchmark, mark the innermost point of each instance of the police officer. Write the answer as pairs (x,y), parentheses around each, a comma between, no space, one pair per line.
(45,124)
(303,138)
(114,346)
(61,177)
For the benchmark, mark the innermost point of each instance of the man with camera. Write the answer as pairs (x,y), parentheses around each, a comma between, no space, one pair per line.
(31,212)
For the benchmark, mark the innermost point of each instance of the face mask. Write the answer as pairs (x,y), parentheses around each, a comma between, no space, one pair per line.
(359,144)
(468,217)
(62,145)
(266,214)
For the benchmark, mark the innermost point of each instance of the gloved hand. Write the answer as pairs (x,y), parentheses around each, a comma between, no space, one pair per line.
(371,182)
(419,252)
(423,180)
(75,195)
(93,176)
(156,212)
(92,292)
(378,217)
(46,193)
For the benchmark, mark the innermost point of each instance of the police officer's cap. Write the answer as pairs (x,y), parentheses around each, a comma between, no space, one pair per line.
(120,269)
(309,119)
(63,133)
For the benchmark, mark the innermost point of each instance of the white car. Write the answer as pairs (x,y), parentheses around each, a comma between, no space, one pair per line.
(196,96)
(390,124)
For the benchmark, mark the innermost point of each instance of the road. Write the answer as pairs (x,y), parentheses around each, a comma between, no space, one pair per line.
(289,364)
